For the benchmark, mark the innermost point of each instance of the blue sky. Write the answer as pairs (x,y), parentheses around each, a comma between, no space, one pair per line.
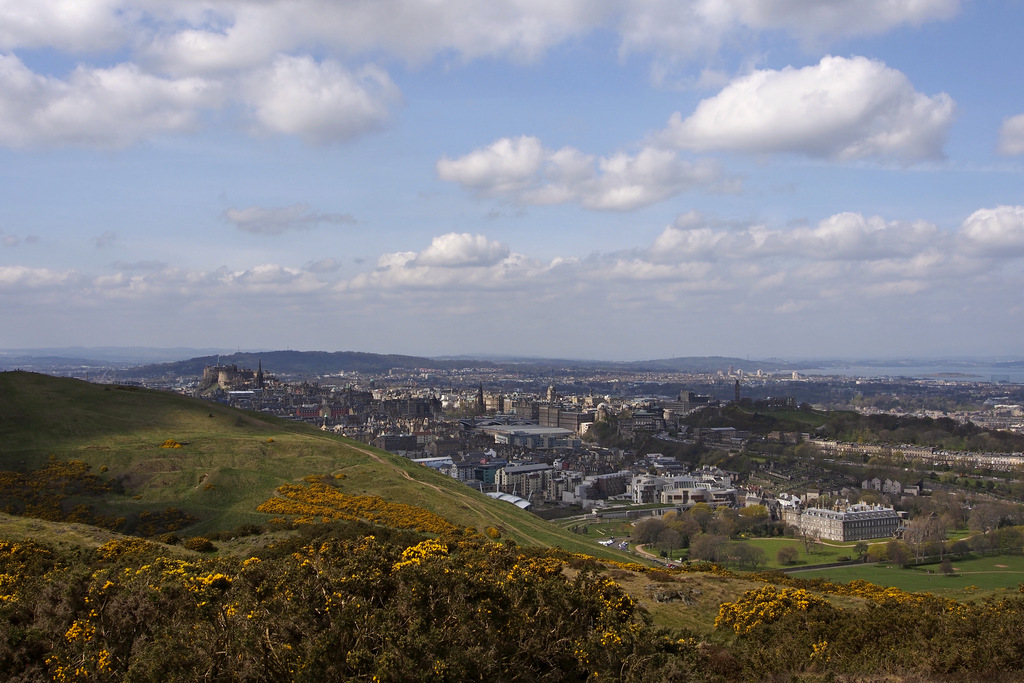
(600,179)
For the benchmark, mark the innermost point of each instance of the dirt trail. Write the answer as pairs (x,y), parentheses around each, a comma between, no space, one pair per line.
(642,551)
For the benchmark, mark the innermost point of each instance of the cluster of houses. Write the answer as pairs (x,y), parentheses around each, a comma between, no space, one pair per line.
(573,475)
(663,484)
(656,479)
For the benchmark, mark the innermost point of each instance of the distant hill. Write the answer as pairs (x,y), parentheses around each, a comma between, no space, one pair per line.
(303,363)
(702,364)
(320,363)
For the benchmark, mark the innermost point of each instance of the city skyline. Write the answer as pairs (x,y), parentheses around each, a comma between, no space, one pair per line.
(607,180)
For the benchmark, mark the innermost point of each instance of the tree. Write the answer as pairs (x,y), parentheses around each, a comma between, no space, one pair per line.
(809,538)
(722,524)
(898,553)
(787,554)
(960,548)
(861,548)
(946,566)
(669,540)
(749,556)
(703,513)
(925,535)
(1010,539)
(988,516)
(983,542)
(878,553)
(709,547)
(754,512)
(647,530)
(752,518)
(686,525)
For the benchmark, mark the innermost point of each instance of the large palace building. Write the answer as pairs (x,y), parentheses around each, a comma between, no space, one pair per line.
(854,523)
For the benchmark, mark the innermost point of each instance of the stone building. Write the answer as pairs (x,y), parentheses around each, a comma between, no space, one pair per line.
(854,523)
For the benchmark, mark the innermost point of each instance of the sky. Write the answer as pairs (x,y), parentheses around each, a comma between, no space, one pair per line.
(605,179)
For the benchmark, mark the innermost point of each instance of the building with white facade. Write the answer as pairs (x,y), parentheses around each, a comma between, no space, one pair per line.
(711,487)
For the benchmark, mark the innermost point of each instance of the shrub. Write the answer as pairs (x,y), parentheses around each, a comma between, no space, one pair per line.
(787,554)
(199,544)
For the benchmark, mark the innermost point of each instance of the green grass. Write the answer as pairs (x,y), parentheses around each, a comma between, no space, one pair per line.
(823,554)
(974,577)
(230,461)
(622,529)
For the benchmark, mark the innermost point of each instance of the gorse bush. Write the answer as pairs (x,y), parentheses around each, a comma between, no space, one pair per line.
(452,609)
(199,544)
(315,501)
(346,601)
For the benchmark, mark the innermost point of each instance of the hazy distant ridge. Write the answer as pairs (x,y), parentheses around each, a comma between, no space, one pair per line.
(316,363)
(312,363)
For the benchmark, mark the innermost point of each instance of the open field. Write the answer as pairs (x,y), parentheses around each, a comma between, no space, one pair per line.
(973,578)
(822,553)
(622,529)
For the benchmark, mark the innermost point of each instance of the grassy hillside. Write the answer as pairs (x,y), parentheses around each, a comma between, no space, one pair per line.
(229,461)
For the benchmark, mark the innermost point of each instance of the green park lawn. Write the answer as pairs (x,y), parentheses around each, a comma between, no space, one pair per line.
(621,529)
(973,578)
(821,553)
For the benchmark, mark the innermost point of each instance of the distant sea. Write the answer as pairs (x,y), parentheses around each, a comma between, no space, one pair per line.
(946,370)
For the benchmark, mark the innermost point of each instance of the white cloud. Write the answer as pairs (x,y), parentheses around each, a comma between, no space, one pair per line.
(688,238)
(841,109)
(119,106)
(456,250)
(112,107)
(191,56)
(458,261)
(997,232)
(813,19)
(506,165)
(677,31)
(70,25)
(1011,135)
(20,278)
(842,237)
(396,260)
(523,170)
(263,220)
(243,34)
(271,278)
(319,102)
(202,36)
(852,236)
